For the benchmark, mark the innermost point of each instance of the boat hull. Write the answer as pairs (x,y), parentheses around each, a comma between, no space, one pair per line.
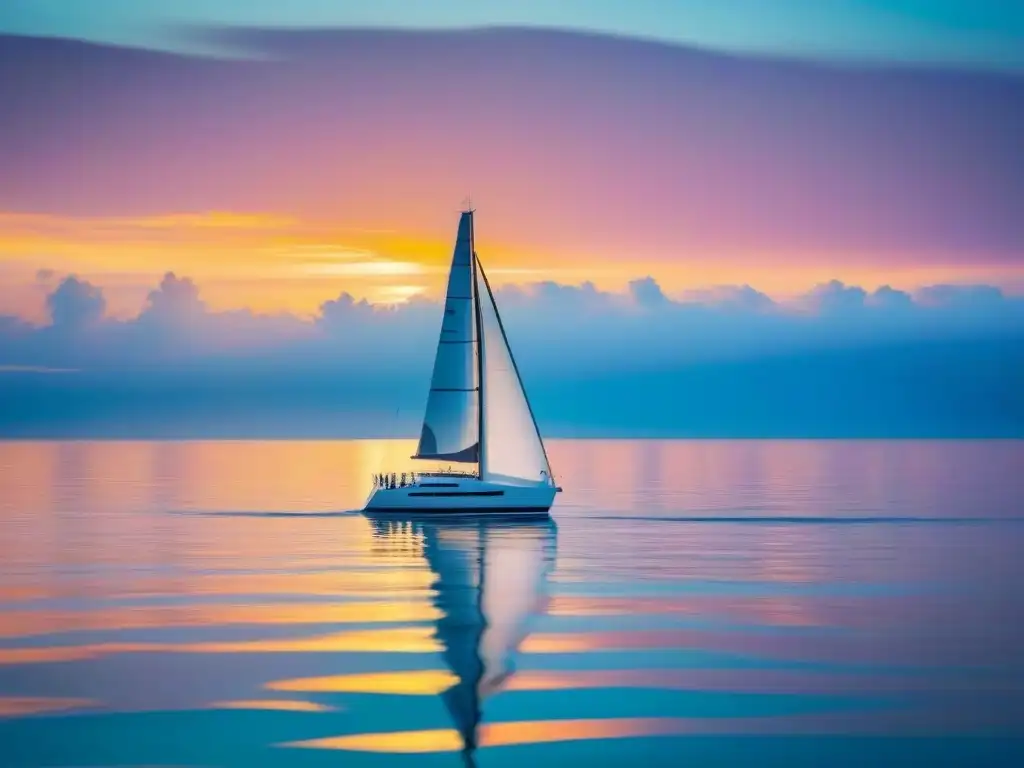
(463,496)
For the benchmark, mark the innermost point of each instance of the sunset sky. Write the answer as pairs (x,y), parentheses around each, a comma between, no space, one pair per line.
(232,190)
(872,142)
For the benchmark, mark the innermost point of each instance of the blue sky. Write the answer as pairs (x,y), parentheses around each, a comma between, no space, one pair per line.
(975,33)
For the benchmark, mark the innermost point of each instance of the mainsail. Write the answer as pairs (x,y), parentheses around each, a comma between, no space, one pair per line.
(451,424)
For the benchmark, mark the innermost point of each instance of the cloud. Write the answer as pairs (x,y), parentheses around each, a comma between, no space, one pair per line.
(276,262)
(840,360)
(585,297)
(971,297)
(75,304)
(837,361)
(646,292)
(890,298)
(734,297)
(972,33)
(344,310)
(176,301)
(836,297)
(177,324)
(578,324)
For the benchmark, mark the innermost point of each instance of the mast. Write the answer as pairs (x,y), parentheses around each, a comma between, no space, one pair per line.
(479,348)
(512,357)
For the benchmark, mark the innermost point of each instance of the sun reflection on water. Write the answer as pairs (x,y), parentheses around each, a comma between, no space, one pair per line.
(501,735)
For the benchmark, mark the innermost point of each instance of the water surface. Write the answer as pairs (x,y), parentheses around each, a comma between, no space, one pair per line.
(691,603)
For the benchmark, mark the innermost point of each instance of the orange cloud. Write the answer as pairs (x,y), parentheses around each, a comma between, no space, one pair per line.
(264,262)
(274,263)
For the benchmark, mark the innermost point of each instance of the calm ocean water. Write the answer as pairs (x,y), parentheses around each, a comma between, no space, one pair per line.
(692,603)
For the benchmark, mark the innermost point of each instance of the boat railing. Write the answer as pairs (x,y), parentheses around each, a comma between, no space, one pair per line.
(402,479)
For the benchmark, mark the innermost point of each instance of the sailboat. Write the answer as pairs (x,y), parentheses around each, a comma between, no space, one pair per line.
(477,412)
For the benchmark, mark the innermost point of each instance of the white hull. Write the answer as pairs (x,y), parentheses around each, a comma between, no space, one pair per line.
(463,495)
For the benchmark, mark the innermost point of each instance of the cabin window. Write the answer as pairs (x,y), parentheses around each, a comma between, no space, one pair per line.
(454,494)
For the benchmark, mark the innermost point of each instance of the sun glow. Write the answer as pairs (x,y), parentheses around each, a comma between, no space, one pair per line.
(272,263)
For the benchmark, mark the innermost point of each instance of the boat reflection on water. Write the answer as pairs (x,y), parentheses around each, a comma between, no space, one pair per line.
(491,579)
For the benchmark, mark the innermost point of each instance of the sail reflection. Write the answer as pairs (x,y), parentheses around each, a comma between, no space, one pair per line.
(491,577)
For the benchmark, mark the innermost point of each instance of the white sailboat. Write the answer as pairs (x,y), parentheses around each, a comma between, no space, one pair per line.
(477,412)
